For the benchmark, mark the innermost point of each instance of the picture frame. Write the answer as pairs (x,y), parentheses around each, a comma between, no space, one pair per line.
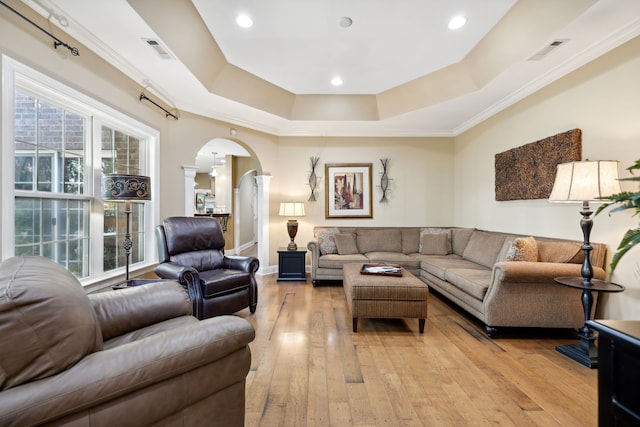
(348,190)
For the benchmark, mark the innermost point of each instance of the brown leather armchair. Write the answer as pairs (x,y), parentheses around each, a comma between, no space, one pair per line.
(129,357)
(191,250)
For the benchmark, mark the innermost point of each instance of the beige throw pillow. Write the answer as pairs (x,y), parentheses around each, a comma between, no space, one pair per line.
(523,249)
(434,244)
(325,240)
(345,244)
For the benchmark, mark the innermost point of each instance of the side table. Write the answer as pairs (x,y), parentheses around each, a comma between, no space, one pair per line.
(291,264)
(585,352)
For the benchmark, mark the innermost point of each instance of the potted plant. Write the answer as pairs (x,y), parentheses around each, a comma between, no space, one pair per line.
(625,200)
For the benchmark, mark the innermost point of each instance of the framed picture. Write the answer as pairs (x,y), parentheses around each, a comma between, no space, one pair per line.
(348,190)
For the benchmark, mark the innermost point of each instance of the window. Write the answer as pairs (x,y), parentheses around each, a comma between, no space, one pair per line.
(62,142)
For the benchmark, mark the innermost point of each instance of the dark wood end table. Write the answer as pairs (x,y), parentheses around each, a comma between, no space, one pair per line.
(585,352)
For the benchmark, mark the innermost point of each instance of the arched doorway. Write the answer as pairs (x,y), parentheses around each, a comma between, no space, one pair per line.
(233,184)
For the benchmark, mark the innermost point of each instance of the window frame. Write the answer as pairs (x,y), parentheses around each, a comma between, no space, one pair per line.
(16,75)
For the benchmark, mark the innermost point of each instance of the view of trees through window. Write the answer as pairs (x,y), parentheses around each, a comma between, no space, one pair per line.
(53,186)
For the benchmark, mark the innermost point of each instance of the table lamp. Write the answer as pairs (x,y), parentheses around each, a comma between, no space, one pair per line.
(292,210)
(122,187)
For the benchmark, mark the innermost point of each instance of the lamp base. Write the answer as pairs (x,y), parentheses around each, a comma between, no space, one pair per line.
(292,229)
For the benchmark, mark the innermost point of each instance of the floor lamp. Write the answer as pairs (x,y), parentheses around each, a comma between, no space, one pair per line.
(584,182)
(122,187)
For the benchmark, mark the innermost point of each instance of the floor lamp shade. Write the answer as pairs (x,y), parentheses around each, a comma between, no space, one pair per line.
(585,181)
(125,188)
(292,210)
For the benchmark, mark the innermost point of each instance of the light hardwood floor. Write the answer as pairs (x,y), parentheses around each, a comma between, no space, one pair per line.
(309,369)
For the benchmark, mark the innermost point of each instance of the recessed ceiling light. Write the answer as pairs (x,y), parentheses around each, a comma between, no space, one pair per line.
(244,21)
(457,22)
(337,81)
(346,22)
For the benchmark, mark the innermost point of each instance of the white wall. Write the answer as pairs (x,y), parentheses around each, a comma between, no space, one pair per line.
(603,99)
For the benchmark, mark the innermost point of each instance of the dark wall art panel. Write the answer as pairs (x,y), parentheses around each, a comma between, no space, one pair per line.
(528,171)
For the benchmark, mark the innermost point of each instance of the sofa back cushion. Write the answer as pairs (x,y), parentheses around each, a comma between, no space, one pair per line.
(560,252)
(47,323)
(383,240)
(483,248)
(410,240)
(459,239)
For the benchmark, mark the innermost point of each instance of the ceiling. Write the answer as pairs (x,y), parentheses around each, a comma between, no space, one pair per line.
(405,73)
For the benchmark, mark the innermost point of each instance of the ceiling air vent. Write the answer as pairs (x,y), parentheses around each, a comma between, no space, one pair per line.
(548,49)
(159,48)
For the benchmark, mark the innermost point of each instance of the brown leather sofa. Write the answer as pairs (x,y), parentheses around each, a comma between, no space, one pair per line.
(191,250)
(130,357)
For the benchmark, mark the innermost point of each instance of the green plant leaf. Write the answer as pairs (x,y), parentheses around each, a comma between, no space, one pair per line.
(629,240)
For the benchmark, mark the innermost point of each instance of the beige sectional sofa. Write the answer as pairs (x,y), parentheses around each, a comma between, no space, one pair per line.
(504,280)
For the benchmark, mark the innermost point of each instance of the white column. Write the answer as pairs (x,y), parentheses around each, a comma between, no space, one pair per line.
(263,182)
(236,220)
(189,187)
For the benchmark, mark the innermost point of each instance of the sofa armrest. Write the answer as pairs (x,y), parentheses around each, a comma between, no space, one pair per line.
(314,249)
(538,272)
(247,264)
(108,375)
(132,308)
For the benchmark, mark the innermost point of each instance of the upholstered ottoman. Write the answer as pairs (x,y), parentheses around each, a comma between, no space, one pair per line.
(378,296)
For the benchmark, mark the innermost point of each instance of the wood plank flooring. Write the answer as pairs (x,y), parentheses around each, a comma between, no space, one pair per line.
(309,369)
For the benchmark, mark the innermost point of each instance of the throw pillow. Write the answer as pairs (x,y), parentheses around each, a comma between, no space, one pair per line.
(327,245)
(345,243)
(523,249)
(429,230)
(434,244)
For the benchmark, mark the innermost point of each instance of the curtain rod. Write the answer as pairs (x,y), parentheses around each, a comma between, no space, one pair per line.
(168,114)
(74,51)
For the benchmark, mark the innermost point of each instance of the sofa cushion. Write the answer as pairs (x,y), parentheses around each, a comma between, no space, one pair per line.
(406,261)
(345,243)
(337,261)
(325,241)
(47,322)
(483,248)
(383,240)
(438,265)
(523,249)
(472,281)
(558,251)
(459,239)
(410,240)
(434,244)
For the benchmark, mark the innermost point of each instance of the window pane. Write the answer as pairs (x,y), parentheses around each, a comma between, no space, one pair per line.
(56,229)
(50,126)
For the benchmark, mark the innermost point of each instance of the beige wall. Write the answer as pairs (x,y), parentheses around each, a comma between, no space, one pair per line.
(435,181)
(602,99)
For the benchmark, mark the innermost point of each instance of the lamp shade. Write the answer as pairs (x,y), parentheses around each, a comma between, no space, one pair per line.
(292,209)
(585,181)
(126,187)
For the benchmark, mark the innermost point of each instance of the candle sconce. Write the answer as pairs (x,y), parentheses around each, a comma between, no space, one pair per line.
(313,178)
(384,180)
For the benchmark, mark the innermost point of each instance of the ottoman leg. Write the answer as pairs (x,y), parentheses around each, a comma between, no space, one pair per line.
(355,324)
(421,325)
